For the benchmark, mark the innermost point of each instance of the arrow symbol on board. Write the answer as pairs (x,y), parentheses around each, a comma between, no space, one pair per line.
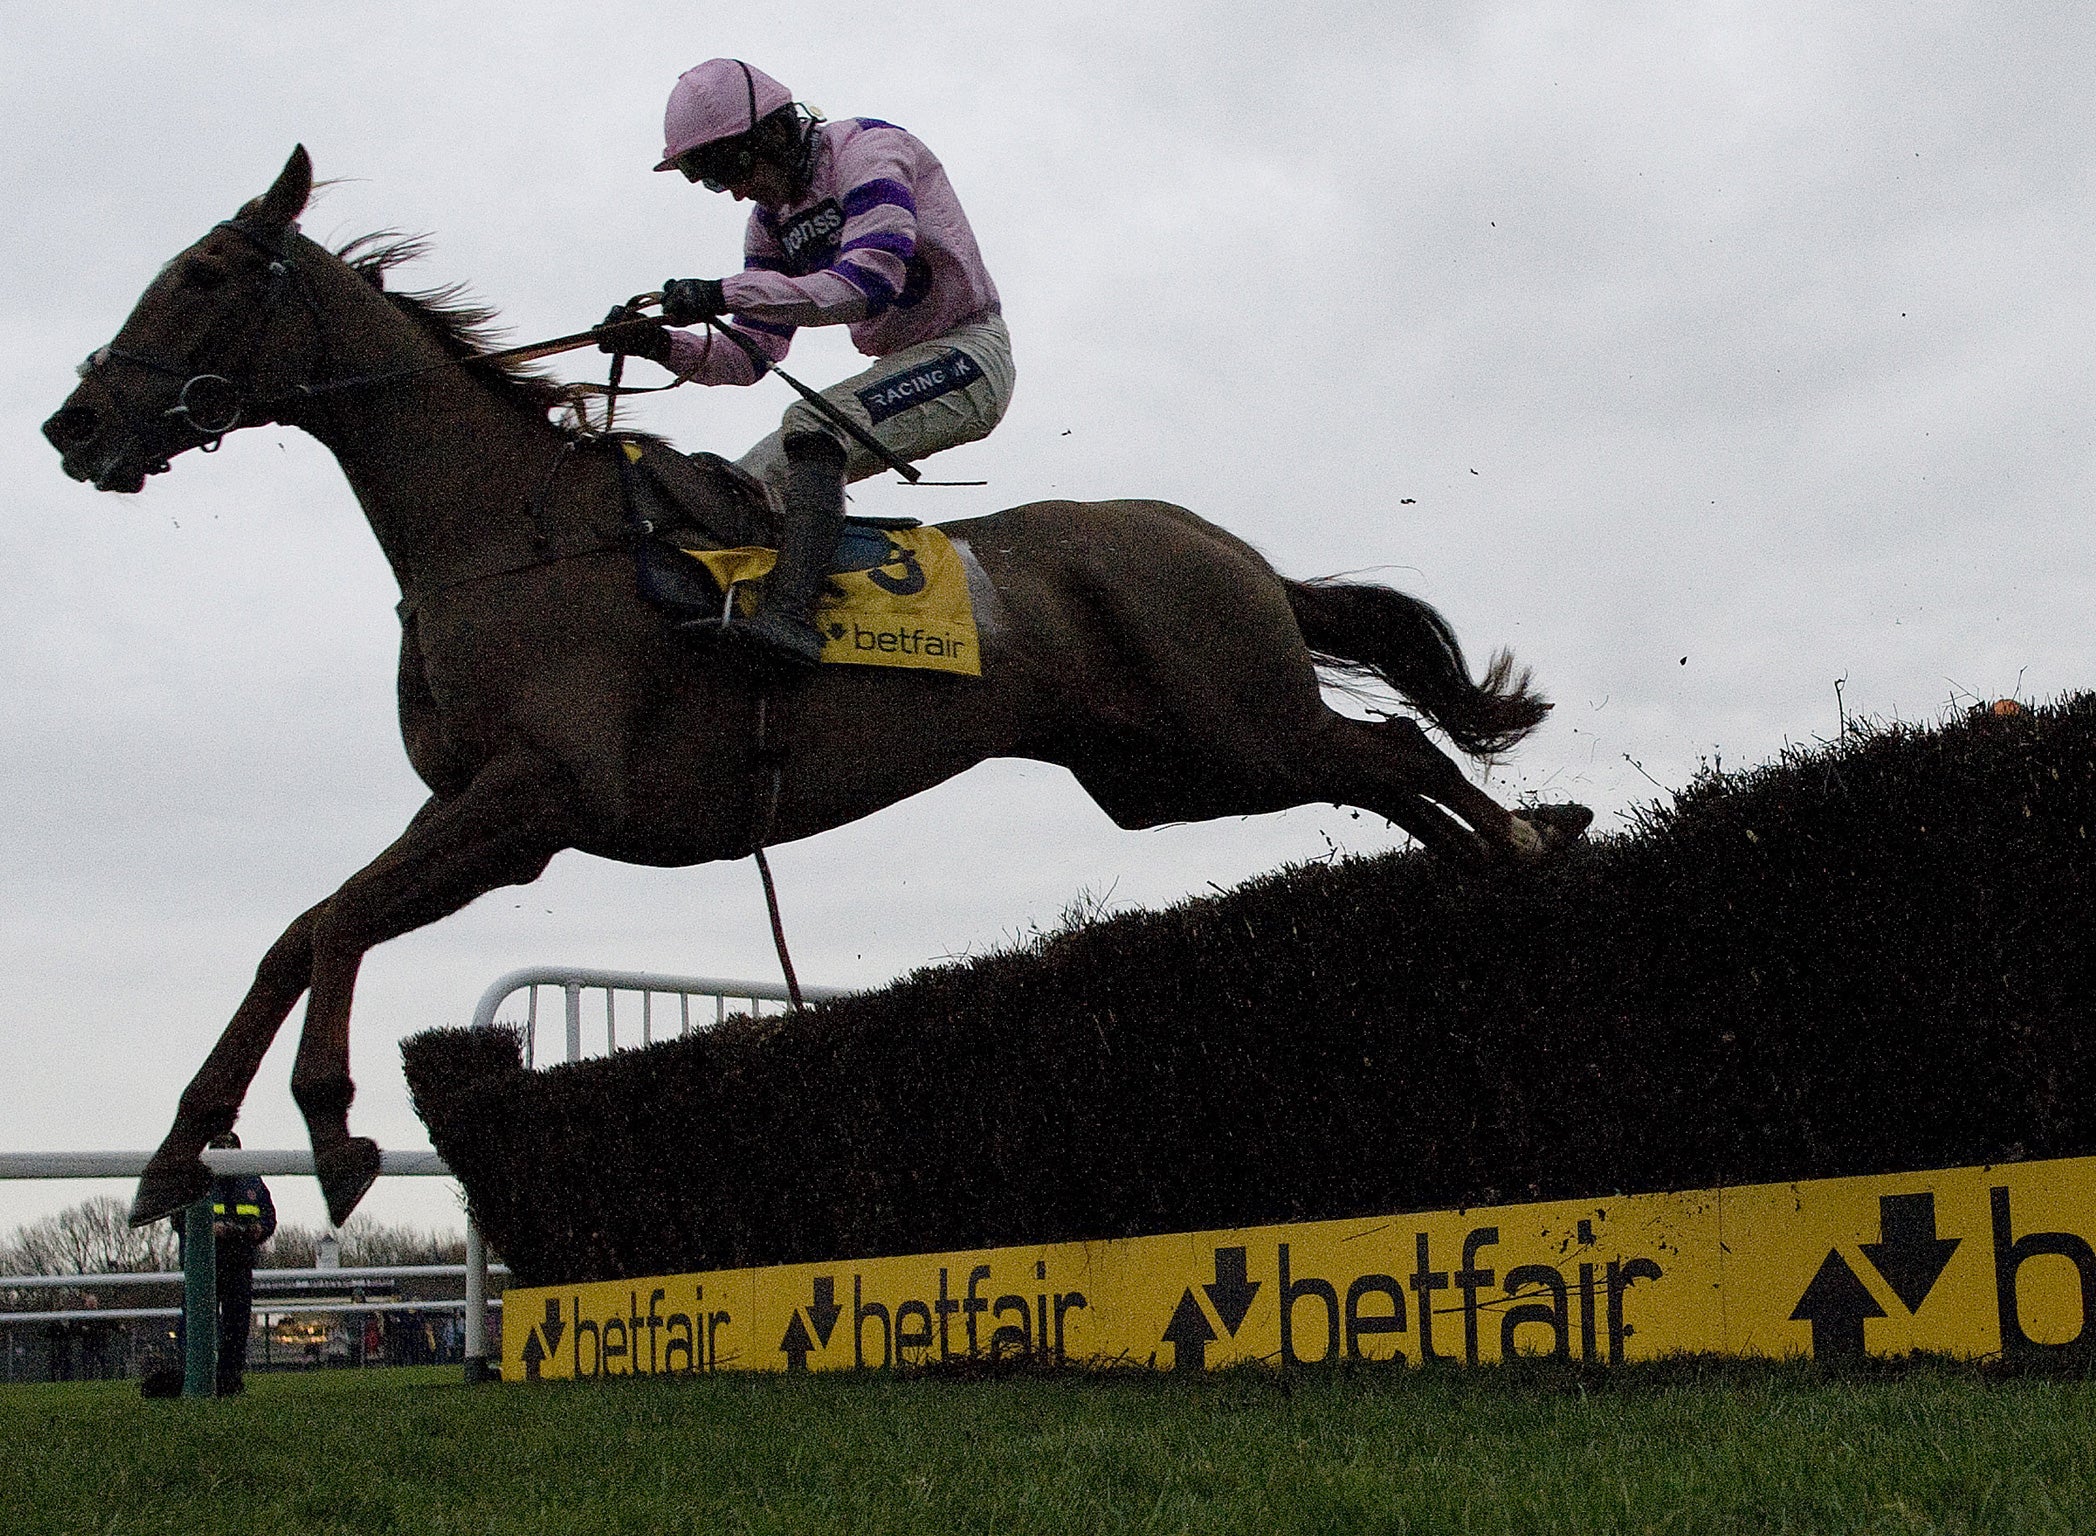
(1232,1292)
(553,1326)
(1910,1255)
(796,1344)
(1189,1335)
(825,1311)
(1835,1304)
(534,1356)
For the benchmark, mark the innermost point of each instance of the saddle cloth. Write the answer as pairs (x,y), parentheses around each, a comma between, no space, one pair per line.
(894,597)
(896,594)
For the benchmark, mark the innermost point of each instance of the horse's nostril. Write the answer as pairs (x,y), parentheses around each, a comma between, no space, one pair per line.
(73,425)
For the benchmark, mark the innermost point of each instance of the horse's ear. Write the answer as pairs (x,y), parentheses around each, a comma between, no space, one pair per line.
(287,199)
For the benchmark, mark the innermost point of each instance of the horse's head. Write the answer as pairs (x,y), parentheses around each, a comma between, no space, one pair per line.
(203,352)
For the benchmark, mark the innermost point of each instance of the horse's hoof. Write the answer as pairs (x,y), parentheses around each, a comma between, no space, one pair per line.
(1556,826)
(167,1186)
(346,1170)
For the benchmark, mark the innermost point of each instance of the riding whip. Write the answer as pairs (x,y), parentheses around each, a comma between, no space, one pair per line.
(859,434)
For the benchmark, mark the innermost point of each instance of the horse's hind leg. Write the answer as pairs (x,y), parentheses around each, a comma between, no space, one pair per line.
(1525,834)
(501,830)
(1387,766)
(1436,830)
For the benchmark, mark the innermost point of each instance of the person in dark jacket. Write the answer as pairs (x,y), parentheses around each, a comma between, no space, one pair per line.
(243,1218)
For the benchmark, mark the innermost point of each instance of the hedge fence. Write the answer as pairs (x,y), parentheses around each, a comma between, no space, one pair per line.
(1867,956)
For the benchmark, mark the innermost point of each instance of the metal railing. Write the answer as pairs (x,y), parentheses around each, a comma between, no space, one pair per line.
(237,1160)
(348,1274)
(268,1306)
(573,981)
(354,1275)
(234,1160)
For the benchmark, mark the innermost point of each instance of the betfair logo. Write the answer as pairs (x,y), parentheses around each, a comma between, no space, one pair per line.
(906,642)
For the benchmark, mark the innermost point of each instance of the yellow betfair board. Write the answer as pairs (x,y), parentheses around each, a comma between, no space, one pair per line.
(1965,1261)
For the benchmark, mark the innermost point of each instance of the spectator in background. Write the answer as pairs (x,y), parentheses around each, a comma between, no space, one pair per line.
(243,1218)
(58,1351)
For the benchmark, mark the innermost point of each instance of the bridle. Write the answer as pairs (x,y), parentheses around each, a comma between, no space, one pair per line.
(210,404)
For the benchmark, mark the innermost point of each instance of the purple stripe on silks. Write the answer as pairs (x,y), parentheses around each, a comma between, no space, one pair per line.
(783,332)
(880,293)
(763,264)
(880,191)
(878,289)
(893,241)
(875,122)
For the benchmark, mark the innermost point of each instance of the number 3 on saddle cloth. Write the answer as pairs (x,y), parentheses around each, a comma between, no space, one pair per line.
(896,594)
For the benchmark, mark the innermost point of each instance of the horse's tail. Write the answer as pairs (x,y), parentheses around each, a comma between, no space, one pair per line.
(1367,631)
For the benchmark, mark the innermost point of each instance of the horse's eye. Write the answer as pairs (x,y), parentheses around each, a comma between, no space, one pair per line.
(201,274)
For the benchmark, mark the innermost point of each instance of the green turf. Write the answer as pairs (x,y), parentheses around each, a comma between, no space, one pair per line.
(1690,1447)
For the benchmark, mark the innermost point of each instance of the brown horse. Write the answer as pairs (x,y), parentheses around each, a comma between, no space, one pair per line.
(546,706)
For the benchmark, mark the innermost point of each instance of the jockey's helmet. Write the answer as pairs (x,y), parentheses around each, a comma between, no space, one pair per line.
(719,100)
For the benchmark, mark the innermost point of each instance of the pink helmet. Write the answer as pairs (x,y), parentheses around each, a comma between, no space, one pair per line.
(718,99)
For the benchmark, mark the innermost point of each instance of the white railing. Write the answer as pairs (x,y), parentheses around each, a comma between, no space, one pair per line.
(355,1276)
(350,1274)
(238,1160)
(267,1306)
(574,980)
(234,1160)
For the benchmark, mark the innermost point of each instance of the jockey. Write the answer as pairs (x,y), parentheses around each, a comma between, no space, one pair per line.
(854,224)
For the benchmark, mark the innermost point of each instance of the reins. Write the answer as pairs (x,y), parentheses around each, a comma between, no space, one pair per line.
(236,401)
(865,439)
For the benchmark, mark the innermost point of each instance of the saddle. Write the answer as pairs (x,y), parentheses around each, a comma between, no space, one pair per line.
(676,502)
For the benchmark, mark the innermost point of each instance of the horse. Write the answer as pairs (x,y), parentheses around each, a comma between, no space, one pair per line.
(546,705)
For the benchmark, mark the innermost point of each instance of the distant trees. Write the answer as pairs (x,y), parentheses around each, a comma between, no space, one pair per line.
(95,1236)
(363,1243)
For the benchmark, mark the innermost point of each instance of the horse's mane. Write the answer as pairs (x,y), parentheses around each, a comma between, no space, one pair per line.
(461,324)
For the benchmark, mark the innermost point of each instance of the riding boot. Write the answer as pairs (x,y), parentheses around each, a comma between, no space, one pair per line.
(783,627)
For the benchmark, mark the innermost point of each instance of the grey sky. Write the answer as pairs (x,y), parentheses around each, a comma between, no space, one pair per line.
(1754,335)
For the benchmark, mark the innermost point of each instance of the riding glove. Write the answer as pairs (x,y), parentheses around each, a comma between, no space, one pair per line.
(688,300)
(620,332)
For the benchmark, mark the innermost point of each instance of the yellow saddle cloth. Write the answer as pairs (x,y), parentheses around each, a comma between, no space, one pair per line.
(909,607)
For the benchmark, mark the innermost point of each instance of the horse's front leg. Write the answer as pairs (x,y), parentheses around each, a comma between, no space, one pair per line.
(176,1175)
(501,830)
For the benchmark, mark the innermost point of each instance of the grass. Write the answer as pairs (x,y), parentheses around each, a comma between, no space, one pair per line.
(1691,1446)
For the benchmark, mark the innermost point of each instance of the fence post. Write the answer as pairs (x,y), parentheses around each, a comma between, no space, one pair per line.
(476,1304)
(199,1301)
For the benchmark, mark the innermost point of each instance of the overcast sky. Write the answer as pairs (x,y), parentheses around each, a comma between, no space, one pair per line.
(1706,354)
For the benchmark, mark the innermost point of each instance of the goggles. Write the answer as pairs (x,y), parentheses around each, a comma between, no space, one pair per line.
(718,165)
